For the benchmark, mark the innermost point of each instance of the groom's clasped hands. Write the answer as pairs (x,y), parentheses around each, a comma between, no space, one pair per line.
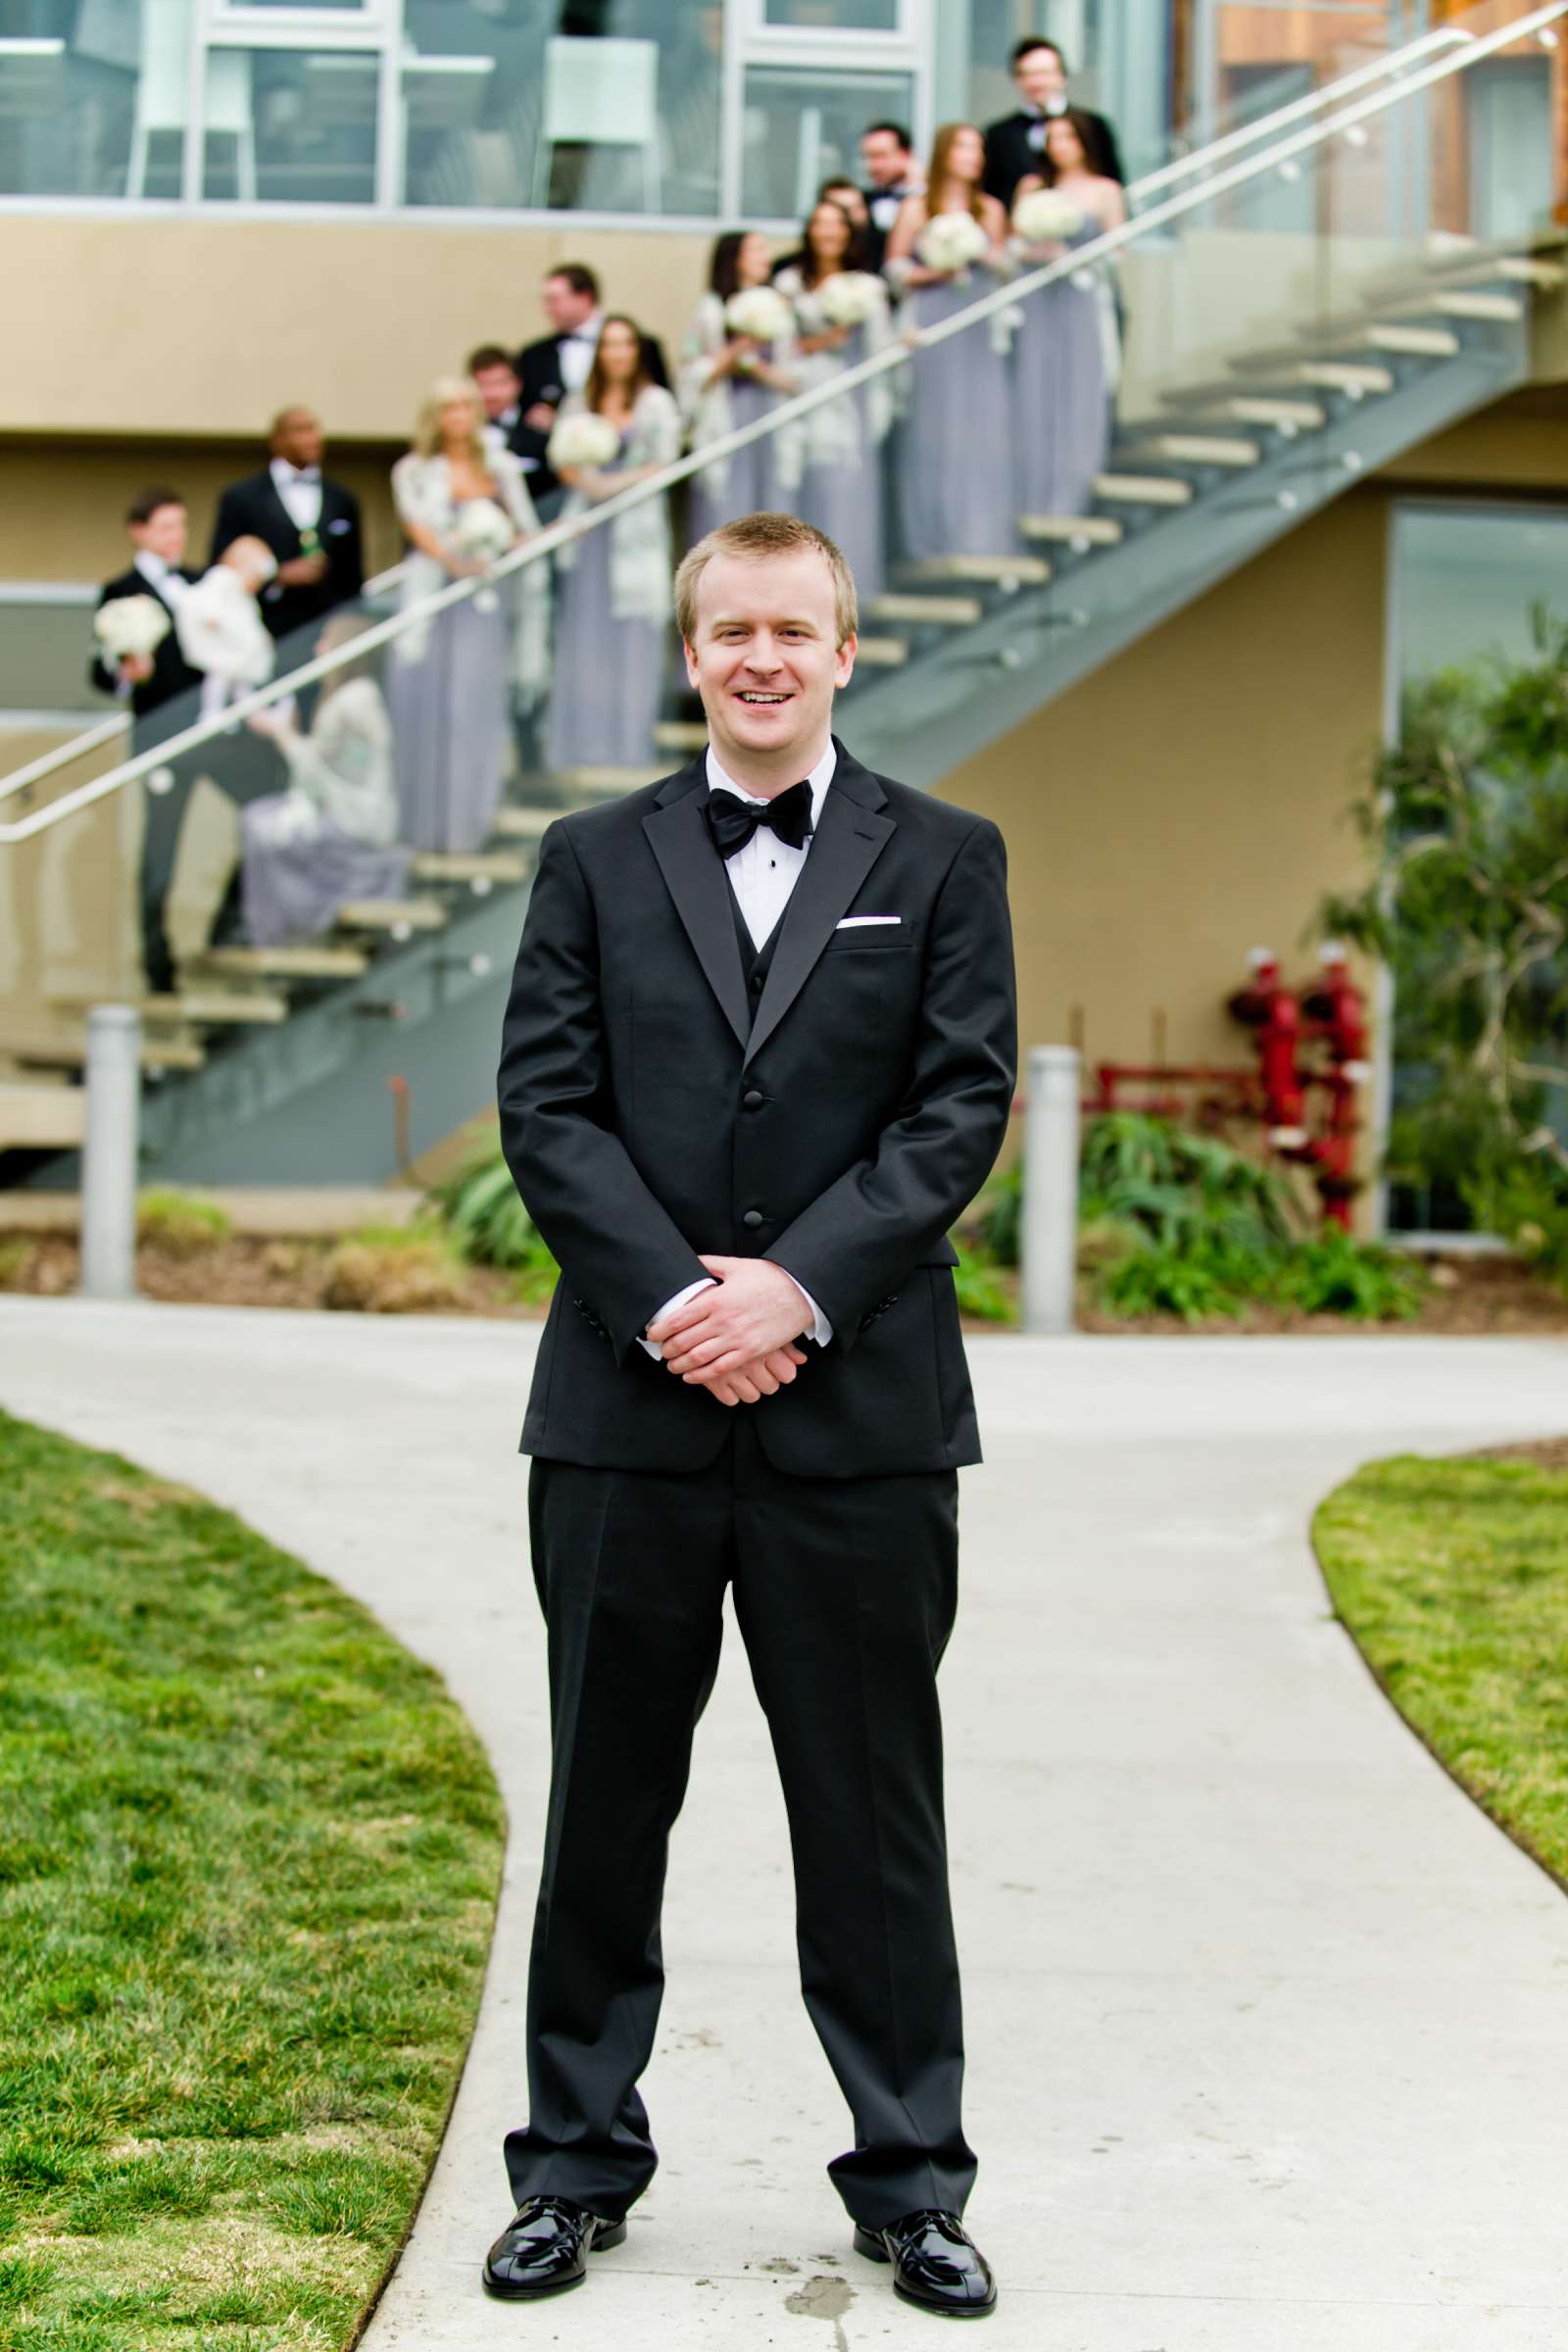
(736,1339)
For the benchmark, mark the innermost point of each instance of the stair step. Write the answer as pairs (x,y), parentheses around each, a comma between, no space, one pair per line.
(1463,302)
(1024,571)
(681,734)
(205,1007)
(283,963)
(399,918)
(1072,530)
(1393,335)
(1527,272)
(1144,489)
(1192,449)
(471,866)
(936,612)
(524,824)
(882,653)
(1261,408)
(70,1053)
(1334,375)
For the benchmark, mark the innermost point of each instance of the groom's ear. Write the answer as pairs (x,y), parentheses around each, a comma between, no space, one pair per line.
(690,652)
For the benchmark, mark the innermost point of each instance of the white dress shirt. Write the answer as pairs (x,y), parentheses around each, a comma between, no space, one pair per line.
(577,352)
(300,489)
(161,577)
(762,874)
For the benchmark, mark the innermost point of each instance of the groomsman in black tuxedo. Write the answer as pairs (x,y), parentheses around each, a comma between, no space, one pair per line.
(893,171)
(497,382)
(1015,145)
(310,524)
(759,1057)
(163,691)
(558,364)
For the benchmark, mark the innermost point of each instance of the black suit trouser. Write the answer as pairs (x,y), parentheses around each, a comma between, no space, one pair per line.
(245,767)
(845,1594)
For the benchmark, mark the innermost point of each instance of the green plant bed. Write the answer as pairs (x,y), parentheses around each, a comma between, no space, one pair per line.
(1452,1576)
(249,1856)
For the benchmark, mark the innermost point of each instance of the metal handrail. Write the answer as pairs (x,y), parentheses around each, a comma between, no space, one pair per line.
(897,355)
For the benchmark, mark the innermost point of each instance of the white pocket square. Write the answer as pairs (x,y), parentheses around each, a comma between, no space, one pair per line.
(859,922)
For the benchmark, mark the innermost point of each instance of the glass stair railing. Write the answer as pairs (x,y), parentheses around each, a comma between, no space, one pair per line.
(1266,361)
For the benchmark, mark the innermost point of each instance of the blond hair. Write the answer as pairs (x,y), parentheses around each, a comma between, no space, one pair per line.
(754,538)
(427,425)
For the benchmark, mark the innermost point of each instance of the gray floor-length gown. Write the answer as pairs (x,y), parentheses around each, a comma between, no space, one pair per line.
(1063,401)
(954,456)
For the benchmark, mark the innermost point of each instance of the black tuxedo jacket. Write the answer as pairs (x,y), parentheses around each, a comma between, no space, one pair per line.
(649,1113)
(253,508)
(171,673)
(1009,157)
(540,375)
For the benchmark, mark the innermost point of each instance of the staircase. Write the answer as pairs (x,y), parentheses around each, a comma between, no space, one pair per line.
(312,1064)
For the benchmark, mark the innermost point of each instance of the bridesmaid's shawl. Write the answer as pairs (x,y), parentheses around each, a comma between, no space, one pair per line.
(422,490)
(707,407)
(640,560)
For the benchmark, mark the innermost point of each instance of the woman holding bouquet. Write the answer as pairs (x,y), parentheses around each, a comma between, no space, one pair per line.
(955,469)
(841,316)
(1068,352)
(613,598)
(450,679)
(737,364)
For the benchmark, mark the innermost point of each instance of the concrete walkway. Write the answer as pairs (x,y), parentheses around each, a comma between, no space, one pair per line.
(1268,2026)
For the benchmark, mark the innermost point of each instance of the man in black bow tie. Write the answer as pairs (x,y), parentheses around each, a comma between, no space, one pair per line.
(311,524)
(1016,144)
(759,1057)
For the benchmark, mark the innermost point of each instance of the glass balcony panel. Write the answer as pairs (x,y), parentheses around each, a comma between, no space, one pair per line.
(290,126)
(45,644)
(835,16)
(516,111)
(802,125)
(93,97)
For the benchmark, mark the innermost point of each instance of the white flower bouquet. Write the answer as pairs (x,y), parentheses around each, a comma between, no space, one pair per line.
(951,241)
(849,298)
(758,312)
(481,530)
(1045,218)
(130,626)
(582,440)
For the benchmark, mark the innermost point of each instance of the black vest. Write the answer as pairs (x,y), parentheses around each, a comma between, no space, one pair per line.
(756,962)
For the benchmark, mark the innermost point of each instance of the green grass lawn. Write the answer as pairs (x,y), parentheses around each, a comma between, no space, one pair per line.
(249,1854)
(1453,1578)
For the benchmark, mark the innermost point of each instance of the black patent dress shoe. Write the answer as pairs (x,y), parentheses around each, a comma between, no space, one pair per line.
(936,2264)
(545,2248)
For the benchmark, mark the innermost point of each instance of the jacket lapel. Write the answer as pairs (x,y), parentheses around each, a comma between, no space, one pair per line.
(694,877)
(845,846)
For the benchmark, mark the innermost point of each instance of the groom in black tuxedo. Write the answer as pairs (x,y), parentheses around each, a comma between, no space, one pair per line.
(759,1057)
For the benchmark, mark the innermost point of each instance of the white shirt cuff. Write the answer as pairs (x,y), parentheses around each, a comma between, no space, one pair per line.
(668,1309)
(822,1329)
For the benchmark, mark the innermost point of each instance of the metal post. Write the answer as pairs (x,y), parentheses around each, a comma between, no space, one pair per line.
(1048,1227)
(109,1152)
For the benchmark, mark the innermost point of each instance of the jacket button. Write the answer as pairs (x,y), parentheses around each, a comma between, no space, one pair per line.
(757,984)
(753,1099)
(753,1217)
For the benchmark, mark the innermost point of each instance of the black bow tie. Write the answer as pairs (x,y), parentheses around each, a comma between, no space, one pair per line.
(731,822)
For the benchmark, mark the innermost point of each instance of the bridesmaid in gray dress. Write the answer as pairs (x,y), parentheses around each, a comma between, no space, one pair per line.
(728,379)
(954,489)
(841,471)
(613,600)
(1066,347)
(449,679)
(333,835)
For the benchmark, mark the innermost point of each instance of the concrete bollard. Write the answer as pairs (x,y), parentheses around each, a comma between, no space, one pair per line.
(109,1152)
(1048,1224)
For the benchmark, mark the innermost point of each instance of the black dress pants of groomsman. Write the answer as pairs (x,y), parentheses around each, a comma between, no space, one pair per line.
(844,1594)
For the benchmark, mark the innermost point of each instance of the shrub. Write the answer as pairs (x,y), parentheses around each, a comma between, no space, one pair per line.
(481,1211)
(978,1290)
(394,1270)
(181,1224)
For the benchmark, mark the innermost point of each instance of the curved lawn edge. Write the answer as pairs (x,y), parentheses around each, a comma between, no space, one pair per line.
(250,1852)
(1451,1576)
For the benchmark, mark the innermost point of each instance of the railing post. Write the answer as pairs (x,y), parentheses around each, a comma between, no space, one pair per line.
(109,1152)
(1048,1224)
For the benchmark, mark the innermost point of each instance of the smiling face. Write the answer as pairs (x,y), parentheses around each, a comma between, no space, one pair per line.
(1063,147)
(828,233)
(753,264)
(457,421)
(764,661)
(886,162)
(297,437)
(498,387)
(162,534)
(620,354)
(1039,77)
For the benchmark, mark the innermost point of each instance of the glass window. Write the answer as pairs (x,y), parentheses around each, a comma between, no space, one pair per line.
(517,106)
(835,16)
(93,97)
(290,126)
(802,125)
